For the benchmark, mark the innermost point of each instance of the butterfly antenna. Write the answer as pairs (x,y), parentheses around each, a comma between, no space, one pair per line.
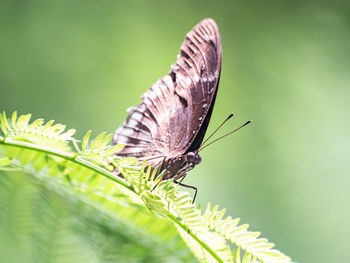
(240,127)
(211,135)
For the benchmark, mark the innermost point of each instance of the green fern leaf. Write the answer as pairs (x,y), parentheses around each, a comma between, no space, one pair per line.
(114,149)
(14,119)
(86,140)
(97,140)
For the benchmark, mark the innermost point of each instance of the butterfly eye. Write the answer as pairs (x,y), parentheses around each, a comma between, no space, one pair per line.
(191,157)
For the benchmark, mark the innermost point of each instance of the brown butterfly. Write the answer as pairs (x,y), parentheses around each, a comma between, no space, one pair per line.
(168,127)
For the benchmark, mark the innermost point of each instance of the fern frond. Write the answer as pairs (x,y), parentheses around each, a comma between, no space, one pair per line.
(86,169)
(254,247)
(49,135)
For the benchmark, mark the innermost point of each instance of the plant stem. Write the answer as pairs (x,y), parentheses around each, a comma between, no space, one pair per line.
(204,245)
(67,156)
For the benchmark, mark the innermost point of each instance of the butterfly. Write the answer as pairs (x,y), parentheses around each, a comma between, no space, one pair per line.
(168,127)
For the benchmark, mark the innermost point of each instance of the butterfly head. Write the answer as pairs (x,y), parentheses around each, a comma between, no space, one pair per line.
(178,167)
(189,161)
(193,158)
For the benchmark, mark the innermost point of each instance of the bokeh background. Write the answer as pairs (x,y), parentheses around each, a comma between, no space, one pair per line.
(285,65)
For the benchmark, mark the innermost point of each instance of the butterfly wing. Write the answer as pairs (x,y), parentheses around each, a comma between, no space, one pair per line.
(175,111)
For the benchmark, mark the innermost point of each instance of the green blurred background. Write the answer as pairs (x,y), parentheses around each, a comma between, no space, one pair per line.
(285,65)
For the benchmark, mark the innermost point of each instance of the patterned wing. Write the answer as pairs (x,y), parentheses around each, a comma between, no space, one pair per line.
(175,111)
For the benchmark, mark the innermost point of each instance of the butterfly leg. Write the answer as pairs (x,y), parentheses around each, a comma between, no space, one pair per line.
(161,179)
(187,186)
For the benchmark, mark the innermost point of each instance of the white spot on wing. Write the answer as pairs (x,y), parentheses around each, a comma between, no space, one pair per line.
(142,108)
(132,123)
(127,132)
(211,78)
(122,139)
(151,94)
(137,116)
(196,78)
(158,91)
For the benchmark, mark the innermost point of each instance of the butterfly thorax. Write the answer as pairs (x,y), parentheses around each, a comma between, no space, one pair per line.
(177,167)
